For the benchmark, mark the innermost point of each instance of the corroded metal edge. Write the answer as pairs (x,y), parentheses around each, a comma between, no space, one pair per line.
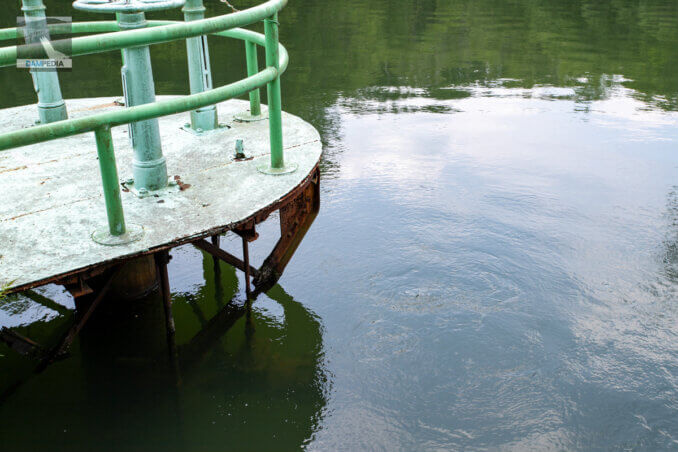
(74,276)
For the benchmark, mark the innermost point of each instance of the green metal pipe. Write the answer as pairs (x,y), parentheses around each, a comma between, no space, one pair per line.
(77,126)
(72,127)
(199,73)
(102,26)
(108,26)
(51,105)
(274,97)
(253,68)
(115,41)
(109,181)
(16,33)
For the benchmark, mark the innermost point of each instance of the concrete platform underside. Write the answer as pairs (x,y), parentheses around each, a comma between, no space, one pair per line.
(51,198)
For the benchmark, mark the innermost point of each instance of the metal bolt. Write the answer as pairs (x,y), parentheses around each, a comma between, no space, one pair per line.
(199,130)
(143,191)
(239,149)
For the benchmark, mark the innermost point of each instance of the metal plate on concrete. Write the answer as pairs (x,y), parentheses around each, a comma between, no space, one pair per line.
(51,198)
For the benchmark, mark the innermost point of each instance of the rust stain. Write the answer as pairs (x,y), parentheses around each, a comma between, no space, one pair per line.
(99,107)
(99,267)
(182,186)
(14,169)
(46,209)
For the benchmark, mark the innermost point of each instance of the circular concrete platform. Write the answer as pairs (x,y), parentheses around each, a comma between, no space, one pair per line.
(51,198)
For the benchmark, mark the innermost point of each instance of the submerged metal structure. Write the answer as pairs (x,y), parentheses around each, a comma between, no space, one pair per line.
(193,167)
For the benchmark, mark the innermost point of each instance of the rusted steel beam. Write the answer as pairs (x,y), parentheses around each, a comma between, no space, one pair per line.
(247,231)
(97,269)
(162,258)
(246,258)
(223,255)
(75,329)
(79,289)
(64,344)
(161,261)
(216,241)
(296,217)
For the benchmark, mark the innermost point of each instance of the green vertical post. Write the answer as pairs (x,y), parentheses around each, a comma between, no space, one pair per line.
(199,73)
(277,165)
(109,180)
(51,105)
(149,165)
(253,69)
(274,95)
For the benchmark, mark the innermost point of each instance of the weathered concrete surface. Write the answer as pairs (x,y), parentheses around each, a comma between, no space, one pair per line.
(51,199)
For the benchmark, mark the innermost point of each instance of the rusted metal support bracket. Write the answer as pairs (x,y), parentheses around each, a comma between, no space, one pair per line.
(79,288)
(223,255)
(161,261)
(93,271)
(216,241)
(246,258)
(247,231)
(296,218)
(62,347)
(162,258)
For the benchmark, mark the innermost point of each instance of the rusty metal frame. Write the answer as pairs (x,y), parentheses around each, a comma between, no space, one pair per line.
(76,279)
(298,209)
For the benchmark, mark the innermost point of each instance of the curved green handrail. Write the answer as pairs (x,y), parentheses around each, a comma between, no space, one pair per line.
(159,32)
(70,127)
(109,38)
(156,35)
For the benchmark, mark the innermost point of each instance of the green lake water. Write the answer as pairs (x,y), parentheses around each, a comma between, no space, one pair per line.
(494,265)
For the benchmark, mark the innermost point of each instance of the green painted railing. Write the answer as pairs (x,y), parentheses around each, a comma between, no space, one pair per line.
(111,38)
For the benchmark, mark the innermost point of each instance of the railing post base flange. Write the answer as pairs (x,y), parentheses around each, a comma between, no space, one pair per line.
(286,169)
(248,117)
(103,236)
(200,132)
